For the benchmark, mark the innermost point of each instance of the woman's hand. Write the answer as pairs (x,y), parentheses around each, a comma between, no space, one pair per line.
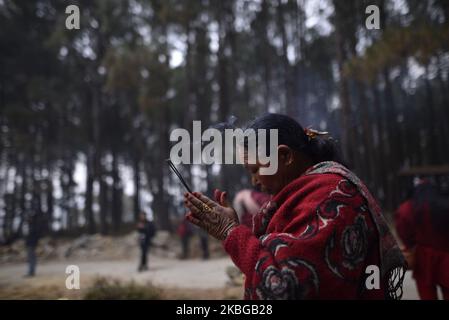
(216,217)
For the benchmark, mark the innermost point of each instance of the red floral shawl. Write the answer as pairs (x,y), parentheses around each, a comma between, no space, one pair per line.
(315,240)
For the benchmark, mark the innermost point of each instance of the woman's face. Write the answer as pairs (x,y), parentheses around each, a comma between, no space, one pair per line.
(270,184)
(263,183)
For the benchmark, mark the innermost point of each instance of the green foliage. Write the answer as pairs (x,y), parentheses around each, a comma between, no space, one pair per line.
(396,45)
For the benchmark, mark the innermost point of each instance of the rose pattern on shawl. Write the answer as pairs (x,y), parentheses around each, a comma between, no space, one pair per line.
(283,283)
(278,284)
(354,243)
(346,188)
(330,208)
(260,263)
(311,229)
(276,244)
(310,279)
(330,246)
(262,219)
(273,244)
(390,254)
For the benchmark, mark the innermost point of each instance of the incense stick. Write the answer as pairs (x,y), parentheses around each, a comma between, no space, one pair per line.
(172,166)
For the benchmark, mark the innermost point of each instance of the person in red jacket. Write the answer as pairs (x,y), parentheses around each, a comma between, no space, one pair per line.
(247,204)
(318,235)
(422,222)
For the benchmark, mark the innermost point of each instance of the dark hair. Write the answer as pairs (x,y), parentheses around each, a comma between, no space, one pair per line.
(292,134)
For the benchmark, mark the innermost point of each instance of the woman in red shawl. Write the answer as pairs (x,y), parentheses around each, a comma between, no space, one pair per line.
(317,235)
(422,223)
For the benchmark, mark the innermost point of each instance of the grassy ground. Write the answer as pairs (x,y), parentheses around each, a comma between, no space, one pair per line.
(104,289)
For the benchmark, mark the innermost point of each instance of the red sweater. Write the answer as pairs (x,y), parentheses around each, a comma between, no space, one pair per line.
(313,240)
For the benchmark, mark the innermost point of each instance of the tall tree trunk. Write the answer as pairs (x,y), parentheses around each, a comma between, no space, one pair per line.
(116,195)
(88,209)
(104,201)
(432,122)
(288,73)
(267,56)
(10,208)
(49,200)
(343,93)
(65,205)
(394,142)
(379,152)
(224,87)
(137,186)
(444,109)
(367,137)
(23,195)
(162,212)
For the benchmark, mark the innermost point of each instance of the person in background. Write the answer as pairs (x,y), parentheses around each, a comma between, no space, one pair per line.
(146,229)
(204,243)
(247,204)
(33,234)
(185,232)
(422,223)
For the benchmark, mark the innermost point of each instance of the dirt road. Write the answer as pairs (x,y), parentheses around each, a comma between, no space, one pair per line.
(172,273)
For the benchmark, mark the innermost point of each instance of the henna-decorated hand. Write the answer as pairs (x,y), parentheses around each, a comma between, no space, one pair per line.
(217,218)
